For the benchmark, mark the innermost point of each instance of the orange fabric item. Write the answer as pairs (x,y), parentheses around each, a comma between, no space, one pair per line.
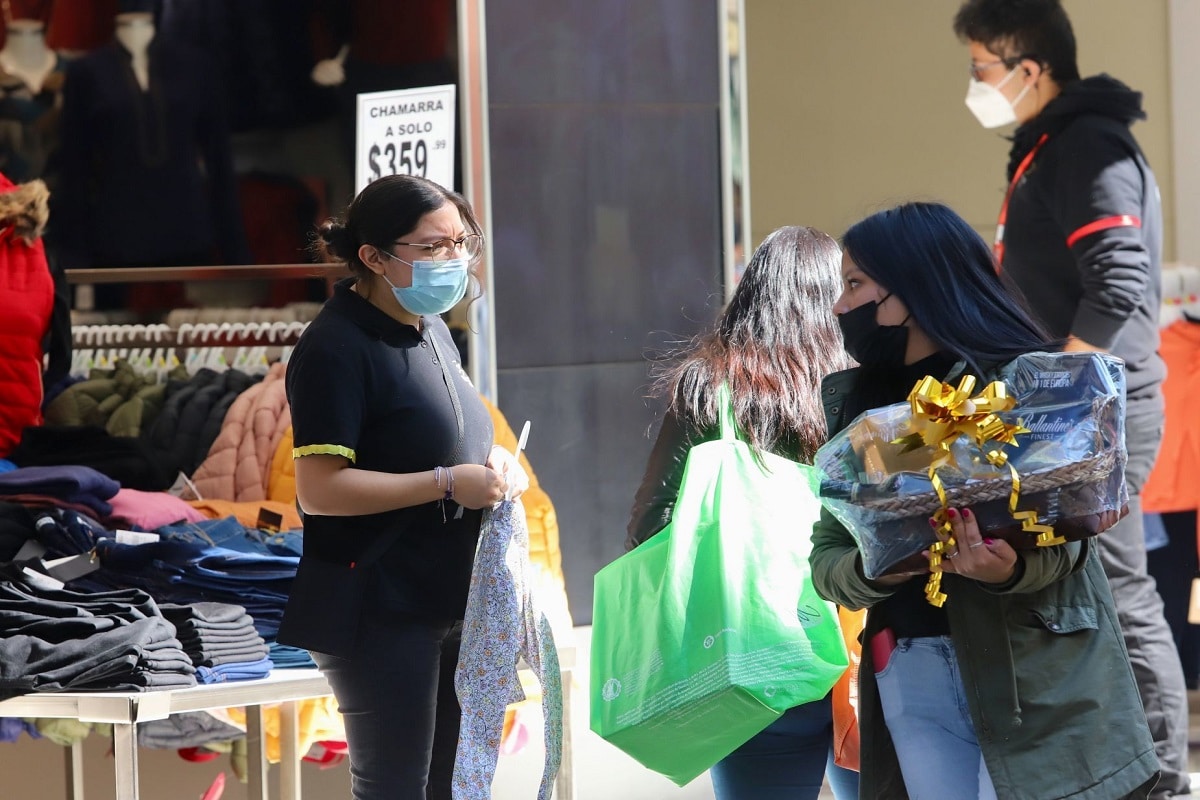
(319,720)
(510,725)
(1172,485)
(539,511)
(247,513)
(281,483)
(845,694)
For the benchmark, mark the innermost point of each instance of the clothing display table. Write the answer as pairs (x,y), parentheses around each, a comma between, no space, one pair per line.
(124,710)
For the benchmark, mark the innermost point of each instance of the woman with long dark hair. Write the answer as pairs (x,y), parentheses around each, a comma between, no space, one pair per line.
(772,345)
(1020,686)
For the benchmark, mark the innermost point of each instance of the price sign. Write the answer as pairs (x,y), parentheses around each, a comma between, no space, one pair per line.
(406,132)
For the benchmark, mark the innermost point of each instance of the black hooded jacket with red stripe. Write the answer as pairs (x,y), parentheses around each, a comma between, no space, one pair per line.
(1083,238)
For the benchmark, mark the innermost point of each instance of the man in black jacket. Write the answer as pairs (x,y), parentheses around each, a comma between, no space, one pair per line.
(1080,233)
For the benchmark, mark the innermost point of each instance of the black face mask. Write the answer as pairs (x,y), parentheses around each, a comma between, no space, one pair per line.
(868,342)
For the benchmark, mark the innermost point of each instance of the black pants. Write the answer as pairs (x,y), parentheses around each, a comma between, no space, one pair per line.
(1152,653)
(1173,567)
(401,713)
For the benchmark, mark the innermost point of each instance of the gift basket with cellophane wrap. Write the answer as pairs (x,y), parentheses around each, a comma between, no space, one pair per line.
(1038,455)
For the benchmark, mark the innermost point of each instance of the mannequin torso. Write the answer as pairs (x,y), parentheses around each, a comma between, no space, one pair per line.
(25,54)
(135,31)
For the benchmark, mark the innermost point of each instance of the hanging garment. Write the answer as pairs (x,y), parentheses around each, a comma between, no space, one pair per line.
(1172,484)
(238,464)
(146,176)
(502,625)
(27,298)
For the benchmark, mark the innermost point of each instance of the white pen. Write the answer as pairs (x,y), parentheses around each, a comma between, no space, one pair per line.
(523,439)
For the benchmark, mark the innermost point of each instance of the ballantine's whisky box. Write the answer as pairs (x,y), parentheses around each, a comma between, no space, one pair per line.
(1067,447)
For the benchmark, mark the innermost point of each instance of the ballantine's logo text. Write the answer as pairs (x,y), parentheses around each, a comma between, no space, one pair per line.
(1042,424)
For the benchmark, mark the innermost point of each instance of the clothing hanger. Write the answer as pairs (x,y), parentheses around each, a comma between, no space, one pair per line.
(215,355)
(1190,279)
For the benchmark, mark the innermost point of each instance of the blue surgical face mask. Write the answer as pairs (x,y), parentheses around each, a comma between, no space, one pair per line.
(437,286)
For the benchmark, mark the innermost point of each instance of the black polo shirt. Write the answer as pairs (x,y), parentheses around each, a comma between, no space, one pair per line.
(367,387)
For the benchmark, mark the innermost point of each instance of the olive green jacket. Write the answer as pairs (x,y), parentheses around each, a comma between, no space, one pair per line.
(1048,681)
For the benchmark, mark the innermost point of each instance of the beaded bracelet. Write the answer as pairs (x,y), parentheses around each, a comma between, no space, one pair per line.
(449,491)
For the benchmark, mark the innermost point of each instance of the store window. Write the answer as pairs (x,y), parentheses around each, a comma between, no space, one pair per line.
(200,132)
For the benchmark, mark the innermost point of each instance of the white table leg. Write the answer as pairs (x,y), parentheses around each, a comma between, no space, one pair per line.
(289,751)
(564,784)
(125,760)
(74,757)
(256,755)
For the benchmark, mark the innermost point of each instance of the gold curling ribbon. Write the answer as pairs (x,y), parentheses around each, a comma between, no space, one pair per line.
(933,587)
(941,414)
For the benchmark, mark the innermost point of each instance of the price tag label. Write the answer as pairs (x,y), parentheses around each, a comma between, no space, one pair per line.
(406,132)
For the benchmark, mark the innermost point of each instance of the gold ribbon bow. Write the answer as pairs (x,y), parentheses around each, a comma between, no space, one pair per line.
(941,414)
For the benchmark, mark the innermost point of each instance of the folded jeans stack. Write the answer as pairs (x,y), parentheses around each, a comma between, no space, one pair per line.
(221,641)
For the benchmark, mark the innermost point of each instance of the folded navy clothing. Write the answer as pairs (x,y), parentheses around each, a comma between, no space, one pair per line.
(235,671)
(128,460)
(288,657)
(74,484)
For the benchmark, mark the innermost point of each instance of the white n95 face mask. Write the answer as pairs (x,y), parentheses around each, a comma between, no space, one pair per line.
(988,103)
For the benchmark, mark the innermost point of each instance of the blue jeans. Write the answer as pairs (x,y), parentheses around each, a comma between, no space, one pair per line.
(232,535)
(925,707)
(787,760)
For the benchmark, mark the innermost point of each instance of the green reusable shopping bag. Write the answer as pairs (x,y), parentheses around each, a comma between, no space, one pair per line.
(706,633)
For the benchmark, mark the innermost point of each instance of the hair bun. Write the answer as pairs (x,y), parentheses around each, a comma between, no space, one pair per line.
(337,239)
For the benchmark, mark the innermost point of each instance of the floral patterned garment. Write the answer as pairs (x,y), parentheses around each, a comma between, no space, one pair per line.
(501,626)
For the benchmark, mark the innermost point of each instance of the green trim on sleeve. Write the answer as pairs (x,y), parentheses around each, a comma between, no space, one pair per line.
(324,450)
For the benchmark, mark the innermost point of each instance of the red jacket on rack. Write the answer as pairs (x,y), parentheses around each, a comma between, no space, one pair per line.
(26,305)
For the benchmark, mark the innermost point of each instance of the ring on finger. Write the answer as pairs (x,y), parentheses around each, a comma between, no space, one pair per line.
(973,545)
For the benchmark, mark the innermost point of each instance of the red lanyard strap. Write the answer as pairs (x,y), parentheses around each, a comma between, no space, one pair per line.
(998,247)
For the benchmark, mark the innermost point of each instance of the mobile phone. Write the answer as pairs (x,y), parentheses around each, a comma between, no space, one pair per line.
(882,645)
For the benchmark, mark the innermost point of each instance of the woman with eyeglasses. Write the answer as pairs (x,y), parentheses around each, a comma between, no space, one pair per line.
(394,459)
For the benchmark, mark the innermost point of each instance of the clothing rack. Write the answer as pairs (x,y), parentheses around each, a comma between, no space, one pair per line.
(1180,294)
(160,346)
(189,334)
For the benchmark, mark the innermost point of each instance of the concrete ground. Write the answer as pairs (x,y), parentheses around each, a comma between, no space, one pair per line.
(603,772)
